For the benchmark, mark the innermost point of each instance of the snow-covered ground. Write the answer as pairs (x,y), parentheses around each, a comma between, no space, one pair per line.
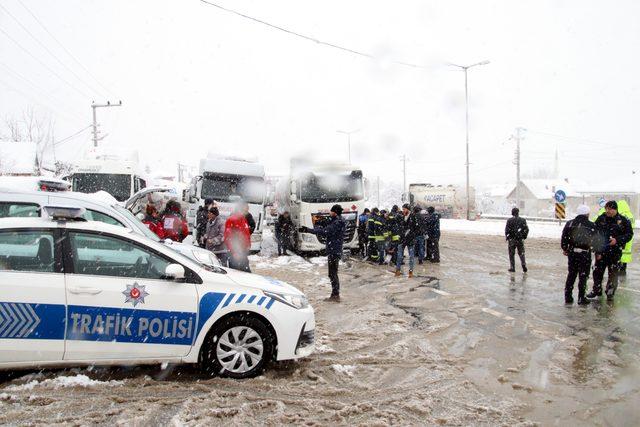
(551,230)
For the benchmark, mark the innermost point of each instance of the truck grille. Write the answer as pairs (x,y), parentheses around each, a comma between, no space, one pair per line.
(351,221)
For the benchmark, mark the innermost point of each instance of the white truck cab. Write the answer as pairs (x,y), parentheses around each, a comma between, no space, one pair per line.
(309,192)
(227,180)
(120,178)
(76,292)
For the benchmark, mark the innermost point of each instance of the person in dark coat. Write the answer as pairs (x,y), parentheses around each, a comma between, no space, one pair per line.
(578,238)
(214,236)
(333,231)
(394,225)
(516,233)
(409,232)
(433,235)
(363,238)
(284,230)
(421,237)
(249,217)
(201,221)
(614,232)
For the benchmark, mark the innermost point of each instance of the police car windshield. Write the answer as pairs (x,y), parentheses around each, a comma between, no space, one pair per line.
(325,188)
(140,228)
(118,185)
(222,188)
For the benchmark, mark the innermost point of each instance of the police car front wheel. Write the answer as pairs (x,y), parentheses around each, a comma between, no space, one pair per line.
(238,348)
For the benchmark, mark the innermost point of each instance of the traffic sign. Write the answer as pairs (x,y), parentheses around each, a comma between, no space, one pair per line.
(602,202)
(560,196)
(560,211)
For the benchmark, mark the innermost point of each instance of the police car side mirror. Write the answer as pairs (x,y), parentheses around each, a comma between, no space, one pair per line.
(174,271)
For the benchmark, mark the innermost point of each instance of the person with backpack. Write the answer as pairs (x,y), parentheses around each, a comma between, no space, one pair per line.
(173,222)
(577,242)
(516,233)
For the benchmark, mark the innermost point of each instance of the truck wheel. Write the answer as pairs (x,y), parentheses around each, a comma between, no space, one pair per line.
(238,347)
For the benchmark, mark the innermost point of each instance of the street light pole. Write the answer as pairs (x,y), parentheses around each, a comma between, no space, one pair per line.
(348,133)
(466,117)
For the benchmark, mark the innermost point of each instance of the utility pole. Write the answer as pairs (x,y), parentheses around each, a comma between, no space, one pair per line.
(465,68)
(348,133)
(95,120)
(519,131)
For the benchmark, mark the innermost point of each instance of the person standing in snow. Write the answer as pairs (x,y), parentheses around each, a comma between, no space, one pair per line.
(433,235)
(363,221)
(173,222)
(248,217)
(333,231)
(214,236)
(410,230)
(284,230)
(578,239)
(201,221)
(237,238)
(516,232)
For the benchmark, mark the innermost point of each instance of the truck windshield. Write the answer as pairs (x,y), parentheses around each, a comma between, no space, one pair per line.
(325,188)
(118,185)
(222,188)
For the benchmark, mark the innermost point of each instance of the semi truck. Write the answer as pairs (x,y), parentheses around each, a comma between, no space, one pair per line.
(228,180)
(449,201)
(120,178)
(309,192)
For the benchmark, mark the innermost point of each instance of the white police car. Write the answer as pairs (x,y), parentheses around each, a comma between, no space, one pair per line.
(75,293)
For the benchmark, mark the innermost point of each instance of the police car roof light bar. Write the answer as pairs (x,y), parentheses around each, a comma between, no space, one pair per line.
(65,213)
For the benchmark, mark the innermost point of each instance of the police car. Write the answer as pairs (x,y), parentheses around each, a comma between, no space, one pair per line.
(74,292)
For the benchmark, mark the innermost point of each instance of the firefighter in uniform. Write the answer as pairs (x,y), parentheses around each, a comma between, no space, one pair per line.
(395,225)
(363,222)
(380,230)
(578,238)
(372,251)
(614,233)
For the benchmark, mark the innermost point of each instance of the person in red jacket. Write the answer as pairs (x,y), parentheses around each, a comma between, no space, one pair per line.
(237,237)
(174,224)
(152,220)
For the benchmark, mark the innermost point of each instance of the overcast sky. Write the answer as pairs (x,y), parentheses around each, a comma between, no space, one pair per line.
(195,79)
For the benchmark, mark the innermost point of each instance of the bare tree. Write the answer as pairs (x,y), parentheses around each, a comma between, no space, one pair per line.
(33,127)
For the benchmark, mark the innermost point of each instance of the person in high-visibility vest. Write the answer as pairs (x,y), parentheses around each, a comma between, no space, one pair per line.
(625,211)
(380,230)
(372,252)
(627,251)
(395,226)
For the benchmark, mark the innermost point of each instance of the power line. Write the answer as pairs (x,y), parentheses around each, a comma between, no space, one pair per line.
(65,49)
(84,95)
(49,51)
(309,38)
(71,136)
(37,88)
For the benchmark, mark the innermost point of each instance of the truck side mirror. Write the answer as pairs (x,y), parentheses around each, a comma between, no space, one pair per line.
(293,197)
(294,188)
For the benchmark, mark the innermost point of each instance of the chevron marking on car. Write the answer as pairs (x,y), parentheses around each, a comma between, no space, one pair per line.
(17,320)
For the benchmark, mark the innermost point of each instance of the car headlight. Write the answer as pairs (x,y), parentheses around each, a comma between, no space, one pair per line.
(295,301)
(309,238)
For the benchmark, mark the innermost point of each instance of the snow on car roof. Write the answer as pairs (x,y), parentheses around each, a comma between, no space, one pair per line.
(40,222)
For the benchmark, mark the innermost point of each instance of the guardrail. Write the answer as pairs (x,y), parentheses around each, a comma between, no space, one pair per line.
(528,218)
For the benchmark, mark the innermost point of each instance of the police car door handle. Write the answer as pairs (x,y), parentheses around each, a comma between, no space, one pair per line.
(84,290)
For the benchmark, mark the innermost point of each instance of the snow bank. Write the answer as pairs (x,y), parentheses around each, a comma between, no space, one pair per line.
(63,381)
(347,370)
(551,230)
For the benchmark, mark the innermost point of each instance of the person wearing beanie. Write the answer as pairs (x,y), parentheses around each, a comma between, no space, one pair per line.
(333,232)
(614,232)
(516,233)
(577,241)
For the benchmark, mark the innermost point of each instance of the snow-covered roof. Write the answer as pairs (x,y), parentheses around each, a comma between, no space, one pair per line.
(546,188)
(17,158)
(500,190)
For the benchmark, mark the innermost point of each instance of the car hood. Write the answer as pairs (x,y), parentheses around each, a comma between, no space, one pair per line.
(263,283)
(195,253)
